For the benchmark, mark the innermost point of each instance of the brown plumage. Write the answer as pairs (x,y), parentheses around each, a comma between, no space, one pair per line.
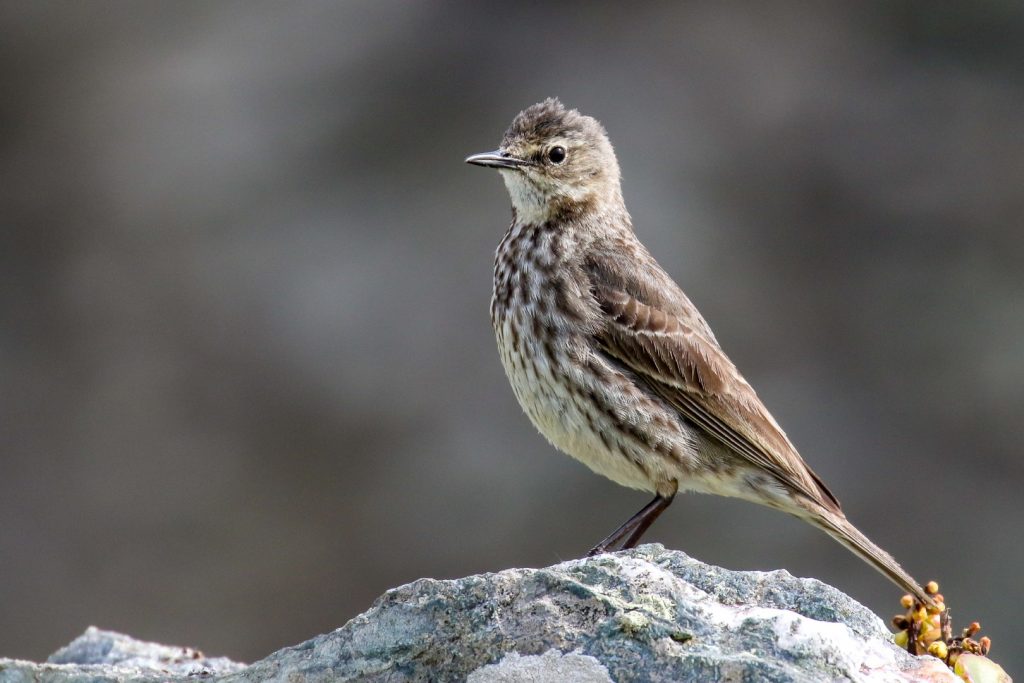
(610,359)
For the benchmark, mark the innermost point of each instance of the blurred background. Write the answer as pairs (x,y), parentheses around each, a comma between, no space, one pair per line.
(249,379)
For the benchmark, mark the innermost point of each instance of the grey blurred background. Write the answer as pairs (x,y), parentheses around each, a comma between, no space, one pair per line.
(249,380)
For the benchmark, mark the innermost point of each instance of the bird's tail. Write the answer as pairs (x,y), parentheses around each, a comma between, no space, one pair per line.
(842,530)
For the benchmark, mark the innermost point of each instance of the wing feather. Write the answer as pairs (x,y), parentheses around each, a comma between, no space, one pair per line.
(682,362)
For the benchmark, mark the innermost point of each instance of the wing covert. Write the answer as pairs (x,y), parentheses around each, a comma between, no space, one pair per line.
(695,376)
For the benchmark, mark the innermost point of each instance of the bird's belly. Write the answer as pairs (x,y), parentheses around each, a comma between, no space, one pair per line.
(556,392)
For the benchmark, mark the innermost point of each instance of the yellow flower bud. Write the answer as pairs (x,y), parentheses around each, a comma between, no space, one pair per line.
(938,649)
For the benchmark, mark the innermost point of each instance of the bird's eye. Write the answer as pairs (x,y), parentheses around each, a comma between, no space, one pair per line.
(556,154)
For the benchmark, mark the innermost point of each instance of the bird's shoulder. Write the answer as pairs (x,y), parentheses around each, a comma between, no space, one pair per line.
(621,264)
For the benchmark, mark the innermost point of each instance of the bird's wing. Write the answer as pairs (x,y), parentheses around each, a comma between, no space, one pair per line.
(671,352)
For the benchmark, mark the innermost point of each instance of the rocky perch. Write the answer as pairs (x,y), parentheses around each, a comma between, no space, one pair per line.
(647,614)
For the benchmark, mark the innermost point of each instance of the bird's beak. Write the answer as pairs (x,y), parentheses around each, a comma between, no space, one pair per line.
(496,159)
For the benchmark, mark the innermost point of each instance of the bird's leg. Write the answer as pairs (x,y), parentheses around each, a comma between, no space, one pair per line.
(647,520)
(635,527)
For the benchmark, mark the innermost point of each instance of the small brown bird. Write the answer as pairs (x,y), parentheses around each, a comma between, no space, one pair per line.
(611,361)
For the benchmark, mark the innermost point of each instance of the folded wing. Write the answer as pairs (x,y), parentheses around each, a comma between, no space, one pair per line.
(668,344)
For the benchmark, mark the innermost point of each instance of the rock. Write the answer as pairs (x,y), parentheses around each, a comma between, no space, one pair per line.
(104,656)
(648,614)
(550,667)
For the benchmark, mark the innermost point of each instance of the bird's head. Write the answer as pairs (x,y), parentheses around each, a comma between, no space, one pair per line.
(555,162)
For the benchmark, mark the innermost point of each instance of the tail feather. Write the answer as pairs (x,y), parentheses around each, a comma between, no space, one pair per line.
(843,531)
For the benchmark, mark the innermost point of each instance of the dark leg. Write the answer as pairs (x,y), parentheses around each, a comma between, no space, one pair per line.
(633,529)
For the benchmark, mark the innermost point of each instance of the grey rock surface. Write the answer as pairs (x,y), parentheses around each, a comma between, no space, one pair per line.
(99,656)
(644,615)
(550,667)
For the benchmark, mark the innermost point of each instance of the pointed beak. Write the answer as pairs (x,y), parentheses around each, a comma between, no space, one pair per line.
(496,159)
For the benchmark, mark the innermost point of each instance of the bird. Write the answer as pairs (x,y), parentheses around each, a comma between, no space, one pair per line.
(611,361)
